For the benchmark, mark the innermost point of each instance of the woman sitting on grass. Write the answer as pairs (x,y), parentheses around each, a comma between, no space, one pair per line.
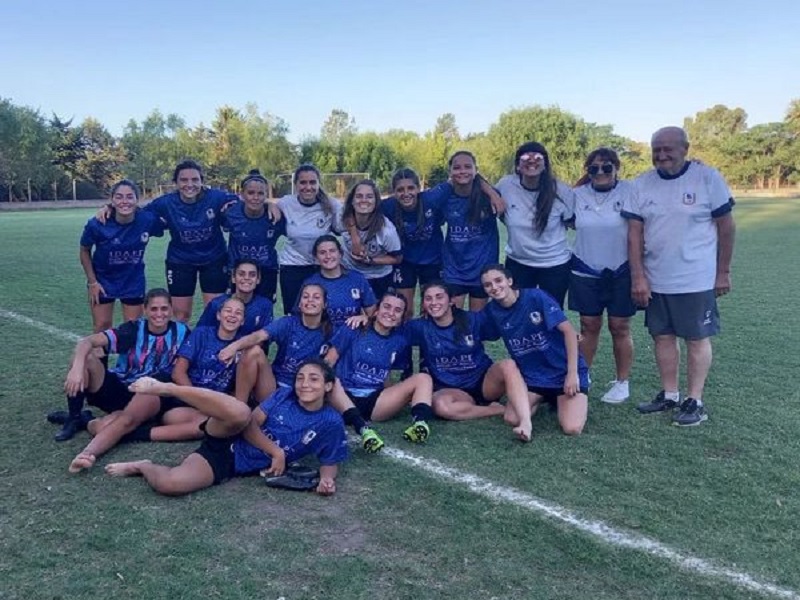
(290,424)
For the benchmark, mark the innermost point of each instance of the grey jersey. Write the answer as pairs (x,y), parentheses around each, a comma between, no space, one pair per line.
(304,224)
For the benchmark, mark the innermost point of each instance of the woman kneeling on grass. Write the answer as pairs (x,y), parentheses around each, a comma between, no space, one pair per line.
(544,345)
(467,384)
(290,424)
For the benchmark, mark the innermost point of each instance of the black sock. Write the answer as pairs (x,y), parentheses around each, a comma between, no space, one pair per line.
(75,405)
(421,412)
(353,417)
(140,434)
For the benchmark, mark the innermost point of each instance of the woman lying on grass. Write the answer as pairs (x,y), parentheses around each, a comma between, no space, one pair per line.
(290,424)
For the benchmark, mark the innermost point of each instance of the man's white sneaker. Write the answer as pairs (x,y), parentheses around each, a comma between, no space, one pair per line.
(617,393)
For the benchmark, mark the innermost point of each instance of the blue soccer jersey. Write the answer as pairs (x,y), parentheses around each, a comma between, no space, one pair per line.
(257,313)
(142,353)
(422,241)
(454,355)
(206,370)
(366,358)
(296,344)
(348,295)
(468,247)
(529,329)
(118,257)
(195,228)
(299,432)
(252,238)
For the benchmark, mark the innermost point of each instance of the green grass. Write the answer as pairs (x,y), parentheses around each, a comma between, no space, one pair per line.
(725,491)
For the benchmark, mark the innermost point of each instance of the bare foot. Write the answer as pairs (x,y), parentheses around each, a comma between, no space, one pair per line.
(523,434)
(126,469)
(82,462)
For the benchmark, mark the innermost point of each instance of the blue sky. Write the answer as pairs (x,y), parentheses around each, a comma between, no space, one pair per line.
(636,65)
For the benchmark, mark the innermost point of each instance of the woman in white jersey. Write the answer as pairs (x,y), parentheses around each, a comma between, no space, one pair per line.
(309,213)
(538,207)
(601,279)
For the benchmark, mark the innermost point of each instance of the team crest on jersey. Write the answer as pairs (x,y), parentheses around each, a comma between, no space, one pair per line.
(145,237)
(428,213)
(321,223)
(308,437)
(536,317)
(355,293)
(392,357)
(210,214)
(258,319)
(270,234)
(469,340)
(372,248)
(689,198)
(618,206)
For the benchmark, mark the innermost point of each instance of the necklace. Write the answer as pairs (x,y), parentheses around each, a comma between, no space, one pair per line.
(601,197)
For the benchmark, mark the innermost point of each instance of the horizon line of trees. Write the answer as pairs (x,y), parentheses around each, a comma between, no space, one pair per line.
(45,158)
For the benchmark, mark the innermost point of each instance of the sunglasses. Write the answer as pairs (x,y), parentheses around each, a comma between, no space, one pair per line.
(607,169)
(533,157)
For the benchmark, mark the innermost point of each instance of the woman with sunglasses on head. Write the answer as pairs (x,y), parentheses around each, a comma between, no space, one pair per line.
(371,244)
(115,269)
(466,383)
(538,208)
(253,233)
(309,213)
(601,279)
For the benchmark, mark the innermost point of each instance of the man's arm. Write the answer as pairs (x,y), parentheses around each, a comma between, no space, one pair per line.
(726,234)
(640,287)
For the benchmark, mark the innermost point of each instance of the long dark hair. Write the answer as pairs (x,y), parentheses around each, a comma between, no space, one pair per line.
(325,320)
(376,221)
(322,197)
(460,316)
(548,191)
(397,216)
(606,154)
(479,205)
(390,293)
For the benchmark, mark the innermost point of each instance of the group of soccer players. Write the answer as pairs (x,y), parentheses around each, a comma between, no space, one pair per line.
(348,272)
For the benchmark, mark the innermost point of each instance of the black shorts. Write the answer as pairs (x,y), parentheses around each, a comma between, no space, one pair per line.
(292,278)
(218,453)
(182,279)
(590,296)
(126,301)
(550,395)
(268,286)
(365,404)
(553,280)
(380,285)
(112,396)
(689,316)
(475,391)
(474,291)
(406,275)
(167,404)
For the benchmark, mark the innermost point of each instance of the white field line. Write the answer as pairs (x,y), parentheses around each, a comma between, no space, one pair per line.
(499,493)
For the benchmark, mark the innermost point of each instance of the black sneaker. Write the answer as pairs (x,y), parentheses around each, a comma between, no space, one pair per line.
(690,413)
(659,404)
(73,425)
(57,417)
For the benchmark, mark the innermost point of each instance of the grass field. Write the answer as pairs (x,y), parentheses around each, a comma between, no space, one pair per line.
(725,492)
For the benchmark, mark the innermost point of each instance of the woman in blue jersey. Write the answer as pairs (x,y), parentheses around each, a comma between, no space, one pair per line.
(543,343)
(195,364)
(472,238)
(538,209)
(299,337)
(253,233)
(290,424)
(372,246)
(363,359)
(258,310)
(601,278)
(348,292)
(309,213)
(115,269)
(466,383)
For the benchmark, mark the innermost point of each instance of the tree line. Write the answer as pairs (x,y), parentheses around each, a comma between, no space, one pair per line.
(42,158)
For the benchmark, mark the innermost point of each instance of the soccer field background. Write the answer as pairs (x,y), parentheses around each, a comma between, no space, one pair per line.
(725,492)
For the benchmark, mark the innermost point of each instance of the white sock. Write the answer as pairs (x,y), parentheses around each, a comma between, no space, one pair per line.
(699,401)
(672,396)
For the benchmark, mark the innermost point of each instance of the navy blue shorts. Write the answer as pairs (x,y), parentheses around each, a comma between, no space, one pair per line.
(182,279)
(591,296)
(268,286)
(553,280)
(474,291)
(689,316)
(137,301)
(476,391)
(380,285)
(550,395)
(407,275)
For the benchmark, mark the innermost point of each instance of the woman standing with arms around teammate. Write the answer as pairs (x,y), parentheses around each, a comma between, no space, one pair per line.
(115,270)
(254,233)
(601,278)
(309,214)
(538,209)
(544,345)
(372,246)
(472,238)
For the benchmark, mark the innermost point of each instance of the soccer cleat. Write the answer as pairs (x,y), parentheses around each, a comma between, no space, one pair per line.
(417,432)
(371,441)
(617,393)
(690,413)
(73,425)
(57,417)
(659,404)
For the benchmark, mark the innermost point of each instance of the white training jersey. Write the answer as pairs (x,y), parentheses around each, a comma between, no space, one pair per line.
(304,224)
(680,235)
(386,242)
(525,245)
(601,233)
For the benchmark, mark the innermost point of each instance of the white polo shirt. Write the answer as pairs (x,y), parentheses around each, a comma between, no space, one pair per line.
(386,242)
(680,235)
(304,224)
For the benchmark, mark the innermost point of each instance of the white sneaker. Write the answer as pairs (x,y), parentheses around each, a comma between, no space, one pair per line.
(617,393)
